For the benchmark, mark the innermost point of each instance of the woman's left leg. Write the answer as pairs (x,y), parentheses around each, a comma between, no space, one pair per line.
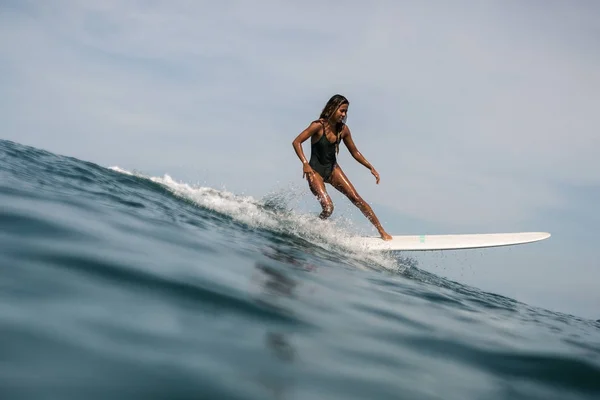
(339,181)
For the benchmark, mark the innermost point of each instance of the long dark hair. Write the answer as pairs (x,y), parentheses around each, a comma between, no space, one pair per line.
(332,105)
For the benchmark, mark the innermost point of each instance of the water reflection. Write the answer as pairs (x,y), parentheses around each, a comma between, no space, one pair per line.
(278,289)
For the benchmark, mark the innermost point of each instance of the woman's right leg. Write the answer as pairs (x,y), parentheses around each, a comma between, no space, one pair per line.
(317,187)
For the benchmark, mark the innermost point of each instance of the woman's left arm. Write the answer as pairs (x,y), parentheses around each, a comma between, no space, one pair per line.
(347,138)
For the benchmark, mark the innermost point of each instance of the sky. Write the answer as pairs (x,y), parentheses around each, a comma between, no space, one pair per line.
(480,116)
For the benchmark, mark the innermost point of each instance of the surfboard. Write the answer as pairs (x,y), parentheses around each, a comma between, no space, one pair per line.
(447,242)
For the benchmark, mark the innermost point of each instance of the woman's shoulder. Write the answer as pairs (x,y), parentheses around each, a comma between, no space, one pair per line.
(315,125)
(345,130)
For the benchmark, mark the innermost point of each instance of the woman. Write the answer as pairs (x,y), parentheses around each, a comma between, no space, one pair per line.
(326,133)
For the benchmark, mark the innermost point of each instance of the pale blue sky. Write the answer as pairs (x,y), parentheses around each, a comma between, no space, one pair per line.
(481,116)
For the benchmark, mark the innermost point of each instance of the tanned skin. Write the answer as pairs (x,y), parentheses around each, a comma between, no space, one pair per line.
(338,179)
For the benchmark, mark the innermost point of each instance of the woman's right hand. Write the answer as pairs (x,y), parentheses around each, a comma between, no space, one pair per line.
(307,171)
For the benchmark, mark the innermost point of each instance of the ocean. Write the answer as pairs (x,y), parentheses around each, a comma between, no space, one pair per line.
(116,285)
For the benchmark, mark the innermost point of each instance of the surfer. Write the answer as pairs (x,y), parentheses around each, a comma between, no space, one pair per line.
(326,133)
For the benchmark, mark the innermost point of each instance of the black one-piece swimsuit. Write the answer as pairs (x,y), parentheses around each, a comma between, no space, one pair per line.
(322,157)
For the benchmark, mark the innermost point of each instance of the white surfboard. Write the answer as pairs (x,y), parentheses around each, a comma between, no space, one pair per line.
(448,242)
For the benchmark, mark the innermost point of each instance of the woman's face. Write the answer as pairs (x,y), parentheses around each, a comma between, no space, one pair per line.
(340,114)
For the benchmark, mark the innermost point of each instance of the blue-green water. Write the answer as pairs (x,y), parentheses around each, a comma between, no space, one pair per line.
(114,285)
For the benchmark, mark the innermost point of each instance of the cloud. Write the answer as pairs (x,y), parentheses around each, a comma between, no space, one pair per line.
(475,114)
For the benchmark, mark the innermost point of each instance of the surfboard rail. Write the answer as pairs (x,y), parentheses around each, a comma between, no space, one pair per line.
(448,241)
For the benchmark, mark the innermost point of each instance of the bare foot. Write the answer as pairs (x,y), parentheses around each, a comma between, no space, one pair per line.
(385,236)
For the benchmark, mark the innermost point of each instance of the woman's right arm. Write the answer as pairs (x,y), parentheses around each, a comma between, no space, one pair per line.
(297,143)
(302,137)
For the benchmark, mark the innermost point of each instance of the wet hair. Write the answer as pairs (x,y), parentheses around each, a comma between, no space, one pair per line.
(331,107)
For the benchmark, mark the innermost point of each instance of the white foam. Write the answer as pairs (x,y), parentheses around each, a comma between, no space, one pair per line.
(330,234)
(117,169)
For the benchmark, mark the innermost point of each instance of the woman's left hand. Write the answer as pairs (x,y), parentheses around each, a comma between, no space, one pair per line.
(376,175)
